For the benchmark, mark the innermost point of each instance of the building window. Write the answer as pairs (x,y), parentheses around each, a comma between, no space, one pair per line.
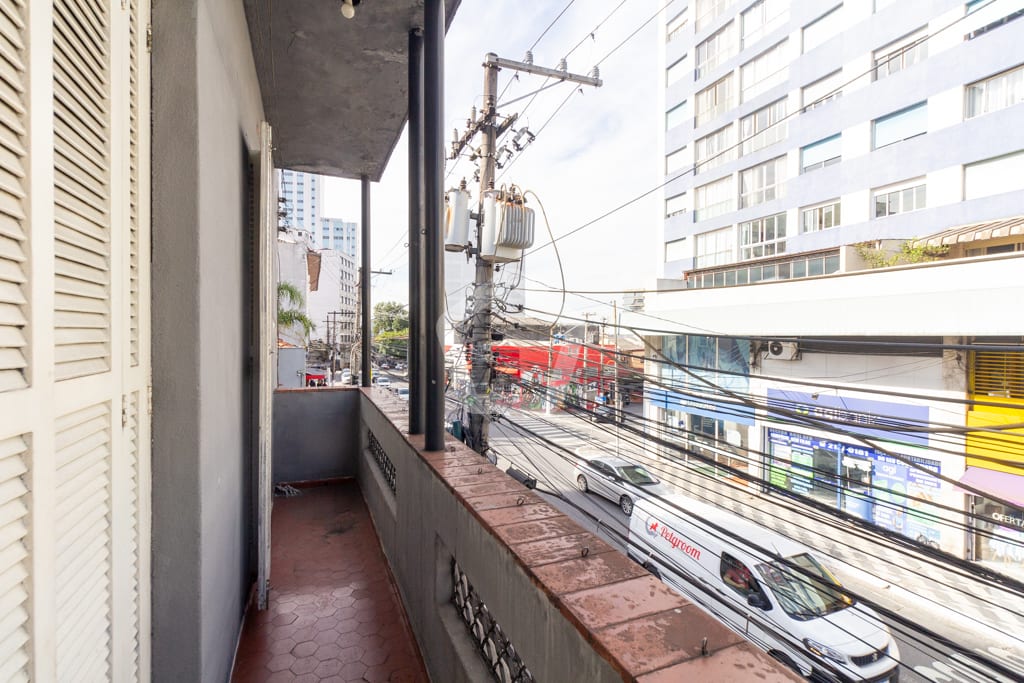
(764,72)
(714,100)
(995,92)
(991,14)
(675,161)
(994,176)
(764,127)
(889,201)
(762,18)
(675,205)
(821,154)
(676,71)
(901,54)
(762,183)
(715,248)
(715,49)
(901,125)
(820,217)
(709,10)
(763,237)
(675,25)
(713,199)
(676,116)
(714,149)
(675,250)
(823,29)
(823,90)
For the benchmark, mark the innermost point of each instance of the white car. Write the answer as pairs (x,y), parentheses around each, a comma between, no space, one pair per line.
(403,393)
(618,480)
(384,382)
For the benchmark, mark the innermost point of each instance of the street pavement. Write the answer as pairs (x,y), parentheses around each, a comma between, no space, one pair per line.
(966,612)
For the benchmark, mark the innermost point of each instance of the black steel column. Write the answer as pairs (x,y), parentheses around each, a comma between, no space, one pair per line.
(433,203)
(417,386)
(364,285)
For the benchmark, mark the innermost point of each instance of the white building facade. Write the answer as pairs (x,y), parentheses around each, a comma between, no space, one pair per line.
(301,197)
(793,132)
(795,127)
(339,235)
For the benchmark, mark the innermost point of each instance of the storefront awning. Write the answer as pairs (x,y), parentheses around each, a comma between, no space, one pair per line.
(1003,485)
(975,232)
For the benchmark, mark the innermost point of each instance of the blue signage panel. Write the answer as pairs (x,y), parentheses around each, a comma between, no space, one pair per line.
(705,406)
(872,485)
(877,419)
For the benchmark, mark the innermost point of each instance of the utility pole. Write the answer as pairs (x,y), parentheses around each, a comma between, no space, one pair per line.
(483,290)
(480,358)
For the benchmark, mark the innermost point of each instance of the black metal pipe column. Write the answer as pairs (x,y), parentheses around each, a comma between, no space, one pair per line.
(364,284)
(417,386)
(433,203)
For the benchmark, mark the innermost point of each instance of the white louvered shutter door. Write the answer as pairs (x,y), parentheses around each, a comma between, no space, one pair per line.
(74,340)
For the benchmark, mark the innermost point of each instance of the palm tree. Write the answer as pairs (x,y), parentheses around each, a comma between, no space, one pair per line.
(291,313)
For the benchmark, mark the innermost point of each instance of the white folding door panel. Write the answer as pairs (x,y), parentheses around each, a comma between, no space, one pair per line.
(74,340)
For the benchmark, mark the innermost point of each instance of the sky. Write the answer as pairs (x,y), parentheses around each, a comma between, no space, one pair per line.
(600,150)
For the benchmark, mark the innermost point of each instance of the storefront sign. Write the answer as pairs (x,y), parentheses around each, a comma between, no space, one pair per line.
(878,419)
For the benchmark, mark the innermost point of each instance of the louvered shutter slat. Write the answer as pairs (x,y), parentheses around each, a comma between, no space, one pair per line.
(73,275)
(11,274)
(74,247)
(11,292)
(11,505)
(12,379)
(11,359)
(11,23)
(12,250)
(78,201)
(81,335)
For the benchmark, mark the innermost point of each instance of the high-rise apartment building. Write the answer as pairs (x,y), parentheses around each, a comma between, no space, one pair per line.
(794,128)
(338,234)
(301,195)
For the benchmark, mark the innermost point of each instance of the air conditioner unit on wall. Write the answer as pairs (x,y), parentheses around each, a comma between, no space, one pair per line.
(780,350)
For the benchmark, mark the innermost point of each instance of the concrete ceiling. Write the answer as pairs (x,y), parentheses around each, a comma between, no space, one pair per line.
(334,89)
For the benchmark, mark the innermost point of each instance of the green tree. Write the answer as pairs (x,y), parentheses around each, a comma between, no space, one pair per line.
(390,316)
(290,309)
(392,344)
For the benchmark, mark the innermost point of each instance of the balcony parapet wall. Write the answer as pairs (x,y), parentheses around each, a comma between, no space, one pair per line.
(493,577)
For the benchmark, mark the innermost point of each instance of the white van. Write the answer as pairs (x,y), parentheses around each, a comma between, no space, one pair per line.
(766,587)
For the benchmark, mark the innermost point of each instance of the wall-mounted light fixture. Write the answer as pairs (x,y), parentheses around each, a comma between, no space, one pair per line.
(348,8)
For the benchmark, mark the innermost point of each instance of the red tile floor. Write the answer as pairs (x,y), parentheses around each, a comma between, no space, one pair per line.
(334,613)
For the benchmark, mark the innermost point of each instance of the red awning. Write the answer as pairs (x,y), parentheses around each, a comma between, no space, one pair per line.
(1003,485)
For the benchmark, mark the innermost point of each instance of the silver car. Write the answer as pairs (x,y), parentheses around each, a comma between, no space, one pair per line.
(618,480)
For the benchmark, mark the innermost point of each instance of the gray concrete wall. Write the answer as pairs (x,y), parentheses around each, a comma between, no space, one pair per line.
(316,434)
(206,114)
(421,529)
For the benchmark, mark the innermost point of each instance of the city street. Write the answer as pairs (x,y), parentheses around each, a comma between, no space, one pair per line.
(923,658)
